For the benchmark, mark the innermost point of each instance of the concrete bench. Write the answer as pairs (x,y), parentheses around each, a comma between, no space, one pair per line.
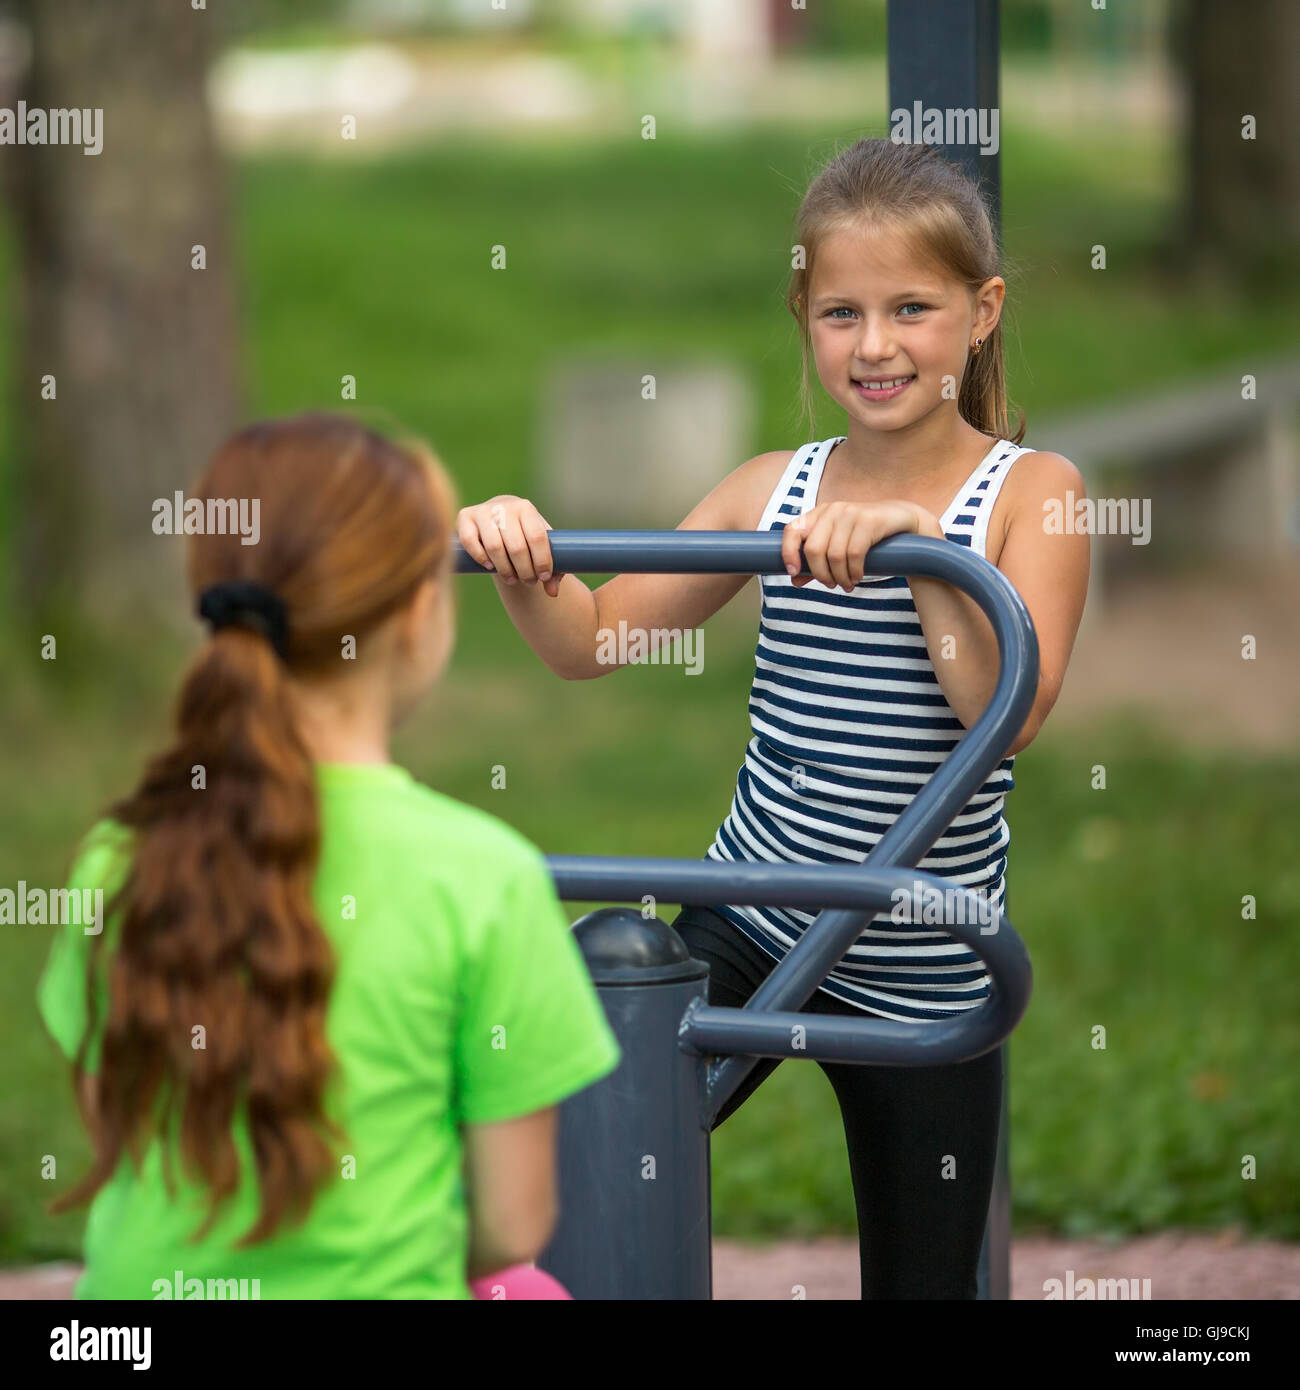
(636,442)
(1215,463)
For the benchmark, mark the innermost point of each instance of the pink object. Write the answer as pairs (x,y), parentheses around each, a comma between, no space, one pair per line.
(516,1282)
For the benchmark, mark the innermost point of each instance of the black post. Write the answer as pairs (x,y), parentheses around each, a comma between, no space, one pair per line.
(633,1153)
(943,54)
(943,58)
(993,1280)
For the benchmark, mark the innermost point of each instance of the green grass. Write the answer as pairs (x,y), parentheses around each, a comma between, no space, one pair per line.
(1129,899)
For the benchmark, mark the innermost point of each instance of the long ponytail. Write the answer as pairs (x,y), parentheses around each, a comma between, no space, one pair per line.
(218,930)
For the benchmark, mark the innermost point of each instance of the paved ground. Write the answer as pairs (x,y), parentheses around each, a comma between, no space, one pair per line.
(1171,649)
(1179,1267)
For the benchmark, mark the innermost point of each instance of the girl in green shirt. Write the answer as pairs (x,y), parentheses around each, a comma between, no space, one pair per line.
(319,1041)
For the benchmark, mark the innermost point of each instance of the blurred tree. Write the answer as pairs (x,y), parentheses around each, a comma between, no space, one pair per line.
(1242,217)
(140,344)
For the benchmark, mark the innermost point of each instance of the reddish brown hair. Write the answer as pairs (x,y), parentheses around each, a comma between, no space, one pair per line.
(913,188)
(217,923)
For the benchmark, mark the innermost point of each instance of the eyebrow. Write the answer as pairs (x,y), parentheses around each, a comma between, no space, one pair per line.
(903,294)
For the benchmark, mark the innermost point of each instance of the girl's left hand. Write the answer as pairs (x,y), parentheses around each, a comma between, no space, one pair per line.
(836,537)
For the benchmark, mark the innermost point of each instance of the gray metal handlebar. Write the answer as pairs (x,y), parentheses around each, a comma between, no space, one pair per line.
(762,1028)
(708,1029)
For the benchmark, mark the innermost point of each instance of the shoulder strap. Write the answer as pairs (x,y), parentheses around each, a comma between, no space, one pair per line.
(817,466)
(995,474)
(781,493)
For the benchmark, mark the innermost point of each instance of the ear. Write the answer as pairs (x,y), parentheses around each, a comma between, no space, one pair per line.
(988,304)
(415,617)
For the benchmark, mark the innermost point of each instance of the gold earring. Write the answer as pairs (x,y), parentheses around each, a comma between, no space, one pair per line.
(975,351)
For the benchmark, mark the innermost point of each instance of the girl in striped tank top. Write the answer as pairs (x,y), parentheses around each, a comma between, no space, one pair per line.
(862,686)
(849,722)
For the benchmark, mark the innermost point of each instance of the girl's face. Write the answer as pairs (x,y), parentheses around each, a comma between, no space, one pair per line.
(875,316)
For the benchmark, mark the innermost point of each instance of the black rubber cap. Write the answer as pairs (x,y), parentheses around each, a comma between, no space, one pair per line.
(621,947)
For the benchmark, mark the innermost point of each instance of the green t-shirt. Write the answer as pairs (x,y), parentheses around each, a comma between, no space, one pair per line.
(460,997)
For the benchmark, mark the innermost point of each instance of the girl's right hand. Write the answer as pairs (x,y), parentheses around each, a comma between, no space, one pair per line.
(508,535)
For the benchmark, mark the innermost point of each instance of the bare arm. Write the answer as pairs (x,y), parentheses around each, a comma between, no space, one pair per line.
(510,1190)
(1049,571)
(561,618)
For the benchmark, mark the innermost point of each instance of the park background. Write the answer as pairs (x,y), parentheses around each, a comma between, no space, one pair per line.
(370,257)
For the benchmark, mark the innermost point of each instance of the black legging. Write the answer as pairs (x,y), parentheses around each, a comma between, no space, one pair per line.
(919,1232)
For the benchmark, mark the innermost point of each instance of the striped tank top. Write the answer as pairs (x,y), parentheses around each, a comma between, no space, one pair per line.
(848,723)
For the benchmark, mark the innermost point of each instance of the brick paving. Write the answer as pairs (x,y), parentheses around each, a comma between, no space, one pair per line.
(1180,1266)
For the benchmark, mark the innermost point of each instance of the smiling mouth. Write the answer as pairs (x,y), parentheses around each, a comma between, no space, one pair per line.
(884,389)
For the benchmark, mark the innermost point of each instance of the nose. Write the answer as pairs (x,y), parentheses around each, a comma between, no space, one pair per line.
(875,341)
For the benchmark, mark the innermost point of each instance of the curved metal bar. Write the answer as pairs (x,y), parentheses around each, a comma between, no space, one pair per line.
(771,1033)
(824,944)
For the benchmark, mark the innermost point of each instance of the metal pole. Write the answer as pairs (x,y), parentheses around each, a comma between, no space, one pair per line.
(943,56)
(634,1194)
(993,1278)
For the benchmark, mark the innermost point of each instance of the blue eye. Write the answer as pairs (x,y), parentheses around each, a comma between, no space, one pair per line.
(843,308)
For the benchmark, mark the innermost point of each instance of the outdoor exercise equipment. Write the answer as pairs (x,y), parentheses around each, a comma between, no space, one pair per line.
(634,1148)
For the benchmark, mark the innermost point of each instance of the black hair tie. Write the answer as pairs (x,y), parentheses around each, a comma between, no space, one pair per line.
(241,603)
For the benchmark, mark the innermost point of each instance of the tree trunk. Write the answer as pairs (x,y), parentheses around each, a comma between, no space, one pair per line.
(1243,195)
(140,346)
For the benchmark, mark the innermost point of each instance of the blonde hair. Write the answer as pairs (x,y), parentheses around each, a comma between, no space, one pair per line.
(912,188)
